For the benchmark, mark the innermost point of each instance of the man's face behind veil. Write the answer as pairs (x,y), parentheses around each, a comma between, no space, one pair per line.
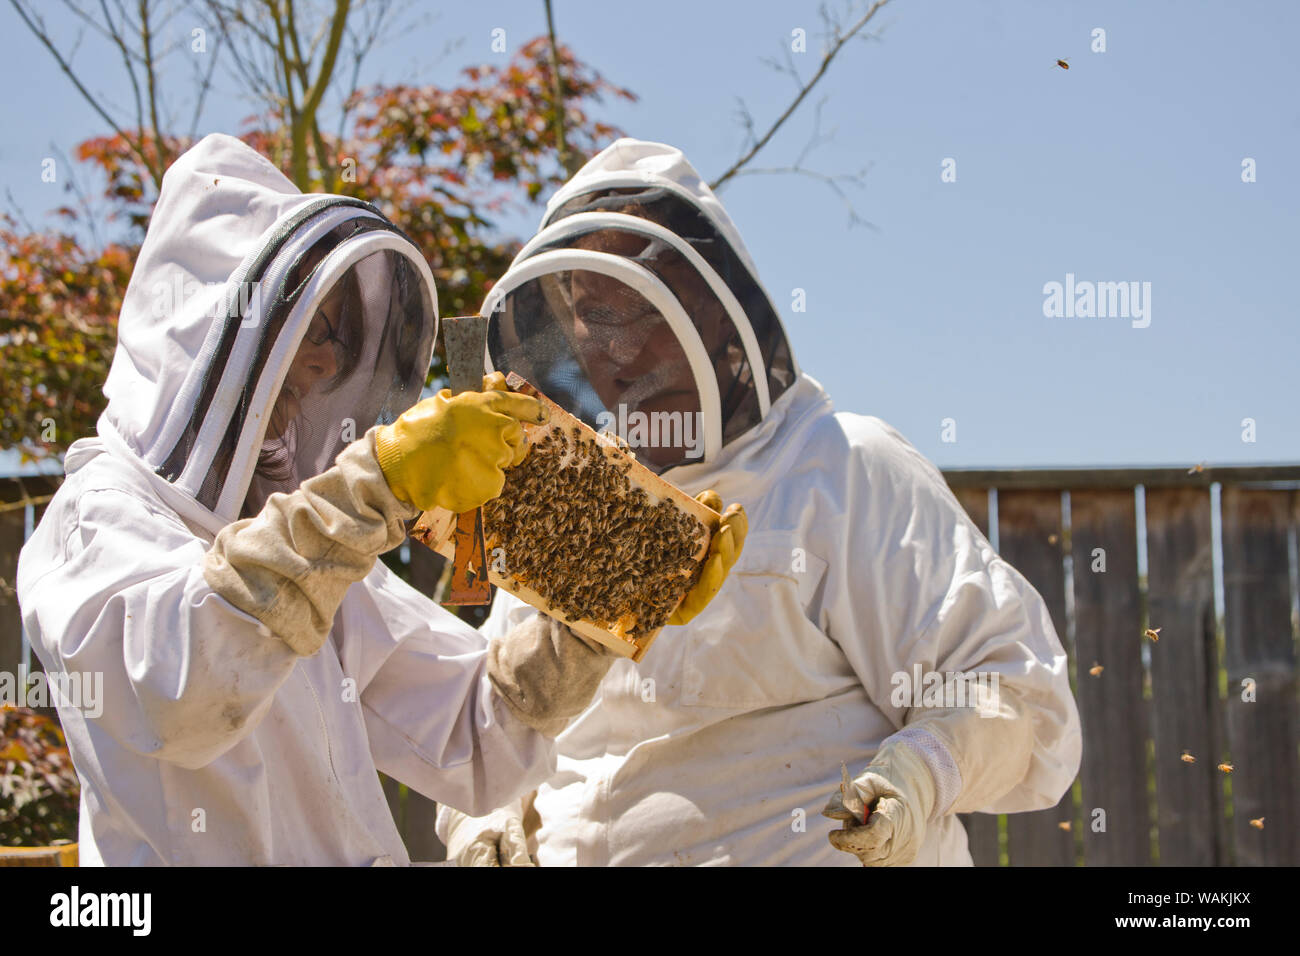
(631,354)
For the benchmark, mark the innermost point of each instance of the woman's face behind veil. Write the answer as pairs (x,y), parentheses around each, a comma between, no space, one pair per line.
(326,356)
(339,340)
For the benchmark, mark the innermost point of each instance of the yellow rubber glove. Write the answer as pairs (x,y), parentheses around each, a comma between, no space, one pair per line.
(724,549)
(452,452)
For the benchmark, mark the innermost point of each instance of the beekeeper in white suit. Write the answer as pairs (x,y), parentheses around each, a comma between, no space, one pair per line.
(636,300)
(259,665)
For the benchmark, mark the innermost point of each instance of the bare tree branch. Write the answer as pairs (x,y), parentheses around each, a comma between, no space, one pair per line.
(788,67)
(855,219)
(115,35)
(17,210)
(37,26)
(251,73)
(568,160)
(323,76)
(83,201)
(146,38)
(375,16)
(205,84)
(90,21)
(836,182)
(838,39)
(316,92)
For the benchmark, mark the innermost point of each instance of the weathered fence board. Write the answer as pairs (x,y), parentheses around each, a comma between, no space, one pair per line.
(11,625)
(981,828)
(975,501)
(1112,713)
(15,495)
(1029,537)
(1184,676)
(1259,646)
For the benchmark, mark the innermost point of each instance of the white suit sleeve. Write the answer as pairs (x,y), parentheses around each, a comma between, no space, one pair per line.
(915,584)
(185,674)
(432,717)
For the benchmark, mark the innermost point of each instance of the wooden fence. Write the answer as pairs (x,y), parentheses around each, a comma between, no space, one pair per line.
(1218,691)
(1161,716)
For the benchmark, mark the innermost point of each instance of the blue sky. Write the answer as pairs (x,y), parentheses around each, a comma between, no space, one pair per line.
(1125,168)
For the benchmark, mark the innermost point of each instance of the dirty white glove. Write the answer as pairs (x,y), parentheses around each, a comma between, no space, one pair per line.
(497,839)
(953,760)
(898,794)
(291,564)
(546,673)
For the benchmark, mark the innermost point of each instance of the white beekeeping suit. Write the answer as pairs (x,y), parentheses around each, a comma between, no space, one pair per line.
(258,672)
(723,744)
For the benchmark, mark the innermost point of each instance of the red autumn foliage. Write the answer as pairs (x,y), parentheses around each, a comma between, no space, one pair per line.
(440,162)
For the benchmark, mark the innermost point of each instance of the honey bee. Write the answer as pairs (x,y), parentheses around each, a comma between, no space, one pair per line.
(1096,669)
(1257,823)
(1226,767)
(1064,825)
(1153,633)
(1052,539)
(1188,758)
(1063,62)
(1196,469)
(593,545)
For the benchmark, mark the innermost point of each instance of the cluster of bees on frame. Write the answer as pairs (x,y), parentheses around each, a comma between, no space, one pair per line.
(574,528)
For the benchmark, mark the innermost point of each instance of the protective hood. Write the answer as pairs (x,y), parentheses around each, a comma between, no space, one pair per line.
(637,308)
(262,330)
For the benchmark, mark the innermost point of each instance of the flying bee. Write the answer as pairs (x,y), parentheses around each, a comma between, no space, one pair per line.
(1257,823)
(1063,62)
(1226,767)
(1153,633)
(1064,825)
(1096,669)
(1187,758)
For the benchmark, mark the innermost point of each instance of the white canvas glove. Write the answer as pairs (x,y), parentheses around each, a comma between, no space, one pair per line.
(291,564)
(546,673)
(898,791)
(497,839)
(953,760)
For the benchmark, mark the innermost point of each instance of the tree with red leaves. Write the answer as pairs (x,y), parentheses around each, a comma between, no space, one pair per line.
(439,162)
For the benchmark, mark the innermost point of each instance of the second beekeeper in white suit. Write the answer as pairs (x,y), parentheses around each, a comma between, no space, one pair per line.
(636,303)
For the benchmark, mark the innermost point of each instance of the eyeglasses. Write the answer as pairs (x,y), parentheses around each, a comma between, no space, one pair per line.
(319,335)
(321,332)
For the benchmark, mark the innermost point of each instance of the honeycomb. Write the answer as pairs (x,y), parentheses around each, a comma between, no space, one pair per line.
(571,526)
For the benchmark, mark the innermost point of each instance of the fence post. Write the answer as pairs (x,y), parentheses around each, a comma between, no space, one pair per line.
(11,624)
(1029,537)
(1260,648)
(1112,713)
(1184,674)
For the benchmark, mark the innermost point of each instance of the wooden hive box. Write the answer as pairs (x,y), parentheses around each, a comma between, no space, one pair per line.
(585,533)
